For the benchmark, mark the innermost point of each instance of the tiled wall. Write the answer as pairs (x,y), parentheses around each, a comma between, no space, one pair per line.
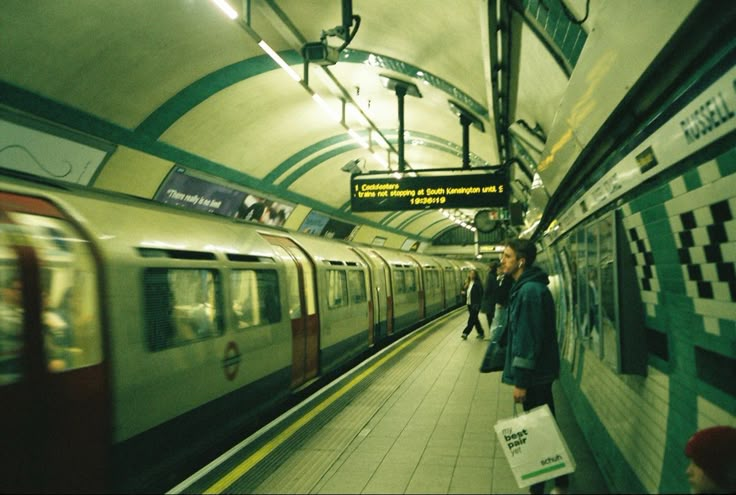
(682,235)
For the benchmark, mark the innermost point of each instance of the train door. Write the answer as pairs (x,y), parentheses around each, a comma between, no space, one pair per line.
(302,309)
(389,298)
(377,302)
(55,415)
(422,287)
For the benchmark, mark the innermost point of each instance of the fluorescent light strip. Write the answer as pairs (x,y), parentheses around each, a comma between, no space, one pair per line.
(226,8)
(358,139)
(355,112)
(322,103)
(380,160)
(276,58)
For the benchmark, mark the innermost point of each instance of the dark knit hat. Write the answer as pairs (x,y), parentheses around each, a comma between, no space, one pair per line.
(714,451)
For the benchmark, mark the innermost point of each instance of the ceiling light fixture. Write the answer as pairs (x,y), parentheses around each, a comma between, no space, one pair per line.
(323,104)
(280,61)
(226,8)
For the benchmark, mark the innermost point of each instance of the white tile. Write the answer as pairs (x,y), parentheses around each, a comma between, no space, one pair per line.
(709,172)
(649,297)
(691,288)
(700,236)
(677,186)
(709,271)
(730,227)
(721,189)
(651,311)
(711,325)
(678,205)
(728,251)
(703,216)
(717,309)
(697,255)
(710,414)
(722,292)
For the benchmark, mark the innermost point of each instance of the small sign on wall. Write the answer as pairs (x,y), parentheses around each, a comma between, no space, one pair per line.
(33,151)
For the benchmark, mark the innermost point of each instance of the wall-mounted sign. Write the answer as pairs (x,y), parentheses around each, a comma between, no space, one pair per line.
(319,224)
(182,189)
(41,153)
(461,189)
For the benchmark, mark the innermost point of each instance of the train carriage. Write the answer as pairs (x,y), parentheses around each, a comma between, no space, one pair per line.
(432,300)
(343,302)
(133,338)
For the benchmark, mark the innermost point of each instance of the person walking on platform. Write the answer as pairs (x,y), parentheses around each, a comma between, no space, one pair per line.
(473,291)
(532,353)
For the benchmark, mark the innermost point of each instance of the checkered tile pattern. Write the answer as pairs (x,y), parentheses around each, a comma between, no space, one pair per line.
(701,214)
(643,259)
(704,251)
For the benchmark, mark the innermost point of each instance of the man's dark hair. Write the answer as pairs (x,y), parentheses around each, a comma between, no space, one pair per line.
(524,248)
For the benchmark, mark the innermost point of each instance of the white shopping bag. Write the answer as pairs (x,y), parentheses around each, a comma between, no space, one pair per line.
(534,446)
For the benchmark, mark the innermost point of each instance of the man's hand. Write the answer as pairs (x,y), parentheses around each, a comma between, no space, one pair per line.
(519,394)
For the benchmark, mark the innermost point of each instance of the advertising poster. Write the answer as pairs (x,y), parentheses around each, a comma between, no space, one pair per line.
(190,192)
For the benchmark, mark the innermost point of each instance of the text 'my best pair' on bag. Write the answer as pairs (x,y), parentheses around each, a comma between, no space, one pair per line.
(534,446)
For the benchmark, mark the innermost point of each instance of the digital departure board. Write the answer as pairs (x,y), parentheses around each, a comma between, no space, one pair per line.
(461,189)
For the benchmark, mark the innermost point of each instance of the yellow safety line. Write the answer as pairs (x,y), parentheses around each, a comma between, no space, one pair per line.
(261,453)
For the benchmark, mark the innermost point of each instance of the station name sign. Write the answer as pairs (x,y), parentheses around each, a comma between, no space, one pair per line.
(427,190)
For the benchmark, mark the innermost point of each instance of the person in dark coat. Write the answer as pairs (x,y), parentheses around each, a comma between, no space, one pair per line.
(490,293)
(473,291)
(532,352)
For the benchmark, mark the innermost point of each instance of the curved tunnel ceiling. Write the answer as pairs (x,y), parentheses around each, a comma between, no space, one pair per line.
(179,81)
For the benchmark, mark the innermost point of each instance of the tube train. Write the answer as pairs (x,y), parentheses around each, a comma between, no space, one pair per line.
(133,333)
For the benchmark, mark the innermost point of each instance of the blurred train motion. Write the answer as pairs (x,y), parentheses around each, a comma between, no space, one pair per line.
(134,334)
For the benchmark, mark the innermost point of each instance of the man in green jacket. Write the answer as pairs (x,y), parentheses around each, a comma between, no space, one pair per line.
(532,353)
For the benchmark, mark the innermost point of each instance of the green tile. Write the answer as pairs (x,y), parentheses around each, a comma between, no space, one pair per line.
(728,329)
(692,180)
(654,198)
(727,162)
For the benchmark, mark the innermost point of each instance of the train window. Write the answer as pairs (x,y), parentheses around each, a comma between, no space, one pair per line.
(71,324)
(411,280)
(255,297)
(356,286)
(11,314)
(432,279)
(399,282)
(181,306)
(337,288)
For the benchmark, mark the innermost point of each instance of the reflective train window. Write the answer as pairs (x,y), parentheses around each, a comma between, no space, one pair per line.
(71,320)
(432,279)
(399,282)
(11,313)
(356,286)
(411,280)
(181,306)
(255,297)
(337,288)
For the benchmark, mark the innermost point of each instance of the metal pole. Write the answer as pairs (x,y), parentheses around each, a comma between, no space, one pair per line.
(400,93)
(465,122)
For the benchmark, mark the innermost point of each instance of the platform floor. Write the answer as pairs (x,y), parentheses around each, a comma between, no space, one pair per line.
(416,418)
